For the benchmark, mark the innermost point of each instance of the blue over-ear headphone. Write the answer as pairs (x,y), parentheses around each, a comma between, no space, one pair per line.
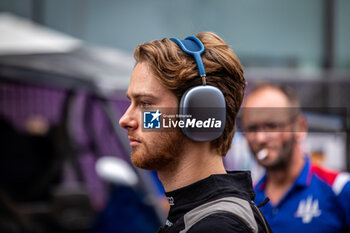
(205,102)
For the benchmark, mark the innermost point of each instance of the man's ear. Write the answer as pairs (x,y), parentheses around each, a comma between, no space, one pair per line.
(301,127)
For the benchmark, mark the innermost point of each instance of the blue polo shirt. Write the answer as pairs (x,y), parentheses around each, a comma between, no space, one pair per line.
(318,201)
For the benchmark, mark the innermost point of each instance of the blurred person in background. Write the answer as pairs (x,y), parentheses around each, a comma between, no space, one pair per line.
(303,197)
(197,185)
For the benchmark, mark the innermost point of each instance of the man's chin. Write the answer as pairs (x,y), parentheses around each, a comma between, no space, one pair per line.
(268,162)
(266,165)
(150,162)
(275,164)
(160,155)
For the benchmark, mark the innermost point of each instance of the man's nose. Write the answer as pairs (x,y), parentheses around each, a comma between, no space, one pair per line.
(261,137)
(128,121)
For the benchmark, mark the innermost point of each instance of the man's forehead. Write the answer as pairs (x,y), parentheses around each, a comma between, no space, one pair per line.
(266,105)
(266,114)
(268,97)
(143,82)
(146,89)
(139,94)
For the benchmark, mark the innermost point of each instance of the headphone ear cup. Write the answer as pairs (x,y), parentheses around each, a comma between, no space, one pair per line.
(203,109)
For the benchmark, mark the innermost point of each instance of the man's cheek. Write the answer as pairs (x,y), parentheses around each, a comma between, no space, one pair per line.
(252,146)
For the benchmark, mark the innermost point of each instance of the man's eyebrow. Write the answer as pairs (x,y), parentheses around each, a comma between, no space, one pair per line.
(139,95)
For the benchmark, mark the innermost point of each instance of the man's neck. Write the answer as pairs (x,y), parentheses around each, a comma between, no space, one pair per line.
(196,163)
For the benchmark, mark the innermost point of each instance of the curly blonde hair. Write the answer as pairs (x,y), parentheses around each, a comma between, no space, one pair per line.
(178,71)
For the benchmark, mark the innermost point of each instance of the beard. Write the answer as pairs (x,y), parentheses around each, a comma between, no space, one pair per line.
(160,153)
(284,156)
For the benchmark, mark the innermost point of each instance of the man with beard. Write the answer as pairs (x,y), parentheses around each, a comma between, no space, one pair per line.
(303,197)
(203,197)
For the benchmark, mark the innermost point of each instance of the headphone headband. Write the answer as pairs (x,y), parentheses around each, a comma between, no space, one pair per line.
(193,46)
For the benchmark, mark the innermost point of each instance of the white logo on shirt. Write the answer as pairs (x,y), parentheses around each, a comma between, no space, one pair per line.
(168,223)
(170,200)
(308,209)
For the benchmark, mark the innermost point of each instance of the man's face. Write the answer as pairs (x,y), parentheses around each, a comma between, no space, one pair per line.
(150,150)
(268,126)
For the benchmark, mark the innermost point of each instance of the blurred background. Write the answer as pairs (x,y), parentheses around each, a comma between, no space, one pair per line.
(65,67)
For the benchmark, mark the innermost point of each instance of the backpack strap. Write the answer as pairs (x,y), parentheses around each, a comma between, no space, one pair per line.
(238,207)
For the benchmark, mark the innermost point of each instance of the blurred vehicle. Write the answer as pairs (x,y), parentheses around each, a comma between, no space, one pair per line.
(59,107)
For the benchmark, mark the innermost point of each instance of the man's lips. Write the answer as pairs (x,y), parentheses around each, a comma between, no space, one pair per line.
(134,141)
(263,153)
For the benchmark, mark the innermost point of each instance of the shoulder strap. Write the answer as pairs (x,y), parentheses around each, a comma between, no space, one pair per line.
(238,207)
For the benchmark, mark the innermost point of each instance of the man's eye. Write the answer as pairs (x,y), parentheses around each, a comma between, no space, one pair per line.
(252,128)
(271,126)
(145,104)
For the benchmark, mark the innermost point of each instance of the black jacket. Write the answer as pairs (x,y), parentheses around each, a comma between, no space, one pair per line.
(237,185)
